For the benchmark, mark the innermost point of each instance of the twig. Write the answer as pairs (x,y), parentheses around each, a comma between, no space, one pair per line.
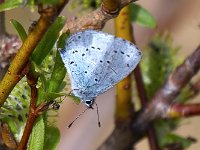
(34,112)
(153,143)
(111,6)
(164,97)
(32,82)
(95,20)
(14,73)
(124,107)
(183,110)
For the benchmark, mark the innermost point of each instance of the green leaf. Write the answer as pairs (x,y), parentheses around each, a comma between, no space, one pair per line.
(53,2)
(52,138)
(48,41)
(19,28)
(141,16)
(10,4)
(62,86)
(74,98)
(36,140)
(57,75)
(62,39)
(161,50)
(172,138)
(45,96)
(37,70)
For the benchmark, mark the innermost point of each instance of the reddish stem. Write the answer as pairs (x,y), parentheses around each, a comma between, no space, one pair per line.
(47,14)
(32,114)
(153,143)
(184,110)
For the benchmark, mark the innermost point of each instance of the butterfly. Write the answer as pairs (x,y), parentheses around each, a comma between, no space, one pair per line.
(96,61)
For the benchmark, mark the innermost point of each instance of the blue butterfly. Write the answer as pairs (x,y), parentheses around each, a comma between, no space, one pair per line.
(96,61)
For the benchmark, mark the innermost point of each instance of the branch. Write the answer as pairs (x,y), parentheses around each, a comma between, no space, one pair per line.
(183,110)
(124,106)
(14,73)
(32,82)
(96,19)
(164,97)
(111,6)
(34,111)
(153,143)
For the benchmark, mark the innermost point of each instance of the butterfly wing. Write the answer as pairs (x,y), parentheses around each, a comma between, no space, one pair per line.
(80,58)
(96,61)
(118,61)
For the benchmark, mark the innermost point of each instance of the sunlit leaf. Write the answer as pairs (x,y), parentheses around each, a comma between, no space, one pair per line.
(36,140)
(141,16)
(52,137)
(48,41)
(62,39)
(19,28)
(10,4)
(57,75)
(172,138)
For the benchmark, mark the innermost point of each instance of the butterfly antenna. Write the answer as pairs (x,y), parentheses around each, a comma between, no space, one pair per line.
(77,117)
(99,123)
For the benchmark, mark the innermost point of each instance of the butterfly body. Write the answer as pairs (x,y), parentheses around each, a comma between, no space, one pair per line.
(96,61)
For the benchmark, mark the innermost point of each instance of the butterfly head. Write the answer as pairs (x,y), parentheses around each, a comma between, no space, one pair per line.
(89,103)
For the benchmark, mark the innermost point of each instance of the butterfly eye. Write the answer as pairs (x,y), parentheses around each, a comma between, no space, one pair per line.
(89,103)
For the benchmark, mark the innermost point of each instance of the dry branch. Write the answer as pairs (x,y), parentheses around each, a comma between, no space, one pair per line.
(94,20)
(160,103)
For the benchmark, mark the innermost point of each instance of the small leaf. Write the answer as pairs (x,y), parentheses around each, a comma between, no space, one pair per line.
(44,96)
(19,28)
(172,138)
(10,4)
(36,140)
(62,39)
(62,86)
(74,98)
(37,69)
(48,41)
(52,137)
(53,2)
(141,16)
(57,75)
